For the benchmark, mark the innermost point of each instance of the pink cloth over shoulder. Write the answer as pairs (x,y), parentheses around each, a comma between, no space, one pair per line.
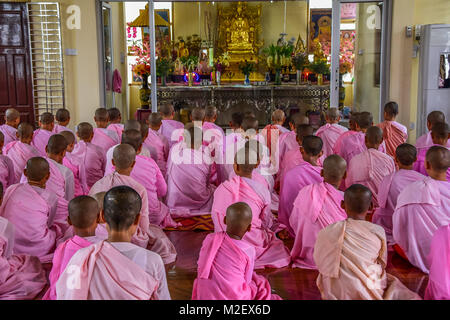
(7,177)
(351,256)
(9,133)
(316,206)
(103,273)
(338,144)
(270,251)
(117,128)
(225,272)
(426,141)
(20,153)
(419,165)
(394,134)
(291,159)
(76,165)
(369,168)
(105,138)
(40,140)
(439,261)
(21,276)
(329,134)
(354,144)
(172,130)
(94,160)
(422,207)
(157,141)
(59,128)
(287,141)
(388,192)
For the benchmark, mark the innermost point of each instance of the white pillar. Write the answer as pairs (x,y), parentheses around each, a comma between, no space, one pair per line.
(151,29)
(335,48)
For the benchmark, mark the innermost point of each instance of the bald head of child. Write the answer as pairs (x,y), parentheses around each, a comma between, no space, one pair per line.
(390,111)
(134,139)
(238,220)
(56,147)
(193,136)
(12,117)
(25,133)
(437,162)
(84,215)
(247,159)
(121,212)
(85,131)
(101,118)
(114,115)
(167,111)
(278,117)
(155,121)
(302,131)
(297,119)
(332,115)
(311,149)
(37,172)
(440,132)
(47,121)
(405,156)
(334,170)
(364,121)
(236,120)
(373,138)
(124,159)
(352,121)
(70,139)
(198,114)
(357,202)
(434,117)
(211,114)
(132,125)
(62,116)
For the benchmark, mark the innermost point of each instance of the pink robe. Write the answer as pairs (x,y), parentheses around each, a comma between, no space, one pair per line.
(287,141)
(94,160)
(316,206)
(388,192)
(422,207)
(59,128)
(419,165)
(426,141)
(295,180)
(215,133)
(105,274)
(439,261)
(147,235)
(117,128)
(369,168)
(172,130)
(20,153)
(7,176)
(40,219)
(21,276)
(225,271)
(40,140)
(329,134)
(9,133)
(76,165)
(355,144)
(189,192)
(270,251)
(338,143)
(394,134)
(161,145)
(105,138)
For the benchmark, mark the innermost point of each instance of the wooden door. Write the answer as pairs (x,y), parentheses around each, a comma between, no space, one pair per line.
(16,84)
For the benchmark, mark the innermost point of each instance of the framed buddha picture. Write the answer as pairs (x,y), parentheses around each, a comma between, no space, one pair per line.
(320,28)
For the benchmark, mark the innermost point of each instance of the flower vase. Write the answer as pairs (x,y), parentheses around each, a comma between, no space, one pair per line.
(299,77)
(341,92)
(320,79)
(218,77)
(278,77)
(190,79)
(144,93)
(247,80)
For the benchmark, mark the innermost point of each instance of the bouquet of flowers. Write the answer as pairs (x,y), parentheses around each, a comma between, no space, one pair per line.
(163,66)
(246,67)
(190,63)
(320,67)
(141,50)
(279,56)
(300,60)
(222,62)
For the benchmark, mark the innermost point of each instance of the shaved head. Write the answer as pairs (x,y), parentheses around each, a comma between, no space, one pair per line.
(193,135)
(312,145)
(238,218)
(391,109)
(47,118)
(374,135)
(62,115)
(298,119)
(358,199)
(248,157)
(278,116)
(440,131)
(57,144)
(435,117)
(333,114)
(155,119)
(132,138)
(11,115)
(250,123)
(334,168)
(83,211)
(37,169)
(132,125)
(85,130)
(70,138)
(210,112)
(198,114)
(114,114)
(25,130)
(364,120)
(236,119)
(167,110)
(406,154)
(99,197)
(124,156)
(121,206)
(304,130)
(101,114)
(249,114)
(439,158)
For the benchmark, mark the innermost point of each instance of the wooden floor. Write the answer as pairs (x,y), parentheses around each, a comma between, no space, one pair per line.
(289,283)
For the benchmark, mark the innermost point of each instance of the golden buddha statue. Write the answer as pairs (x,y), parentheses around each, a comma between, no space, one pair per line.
(182,50)
(239,34)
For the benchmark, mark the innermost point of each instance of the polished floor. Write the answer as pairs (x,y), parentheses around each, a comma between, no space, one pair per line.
(289,283)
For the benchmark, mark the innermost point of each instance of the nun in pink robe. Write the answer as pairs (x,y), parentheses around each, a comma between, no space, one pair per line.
(117,128)
(422,207)
(369,168)
(157,141)
(39,217)
(94,160)
(172,130)
(419,165)
(40,140)
(76,165)
(7,176)
(147,235)
(394,134)
(388,192)
(189,191)
(270,251)
(225,271)
(105,274)
(20,153)
(21,276)
(316,206)
(426,141)
(439,261)
(295,180)
(329,133)
(105,138)
(9,133)
(355,144)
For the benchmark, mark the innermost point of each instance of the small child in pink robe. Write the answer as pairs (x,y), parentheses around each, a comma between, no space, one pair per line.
(371,166)
(315,207)
(306,173)
(75,164)
(394,133)
(62,116)
(45,131)
(9,129)
(116,269)
(115,119)
(426,141)
(270,251)
(103,137)
(423,207)
(93,156)
(84,216)
(331,131)
(21,151)
(7,176)
(170,128)
(226,262)
(158,141)
(39,216)
(352,130)
(391,186)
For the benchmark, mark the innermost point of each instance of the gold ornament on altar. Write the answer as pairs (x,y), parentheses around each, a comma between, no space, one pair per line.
(318,52)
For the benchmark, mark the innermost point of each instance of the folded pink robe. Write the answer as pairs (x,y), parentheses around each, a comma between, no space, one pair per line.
(104,273)
(329,134)
(439,261)
(20,153)
(295,180)
(351,256)
(270,251)
(94,160)
(157,141)
(189,191)
(388,192)
(419,165)
(225,271)
(316,206)
(422,207)
(40,140)
(7,177)
(147,235)
(355,144)
(40,219)
(76,165)
(172,130)
(105,138)
(21,276)
(394,134)
(117,128)
(426,141)
(369,168)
